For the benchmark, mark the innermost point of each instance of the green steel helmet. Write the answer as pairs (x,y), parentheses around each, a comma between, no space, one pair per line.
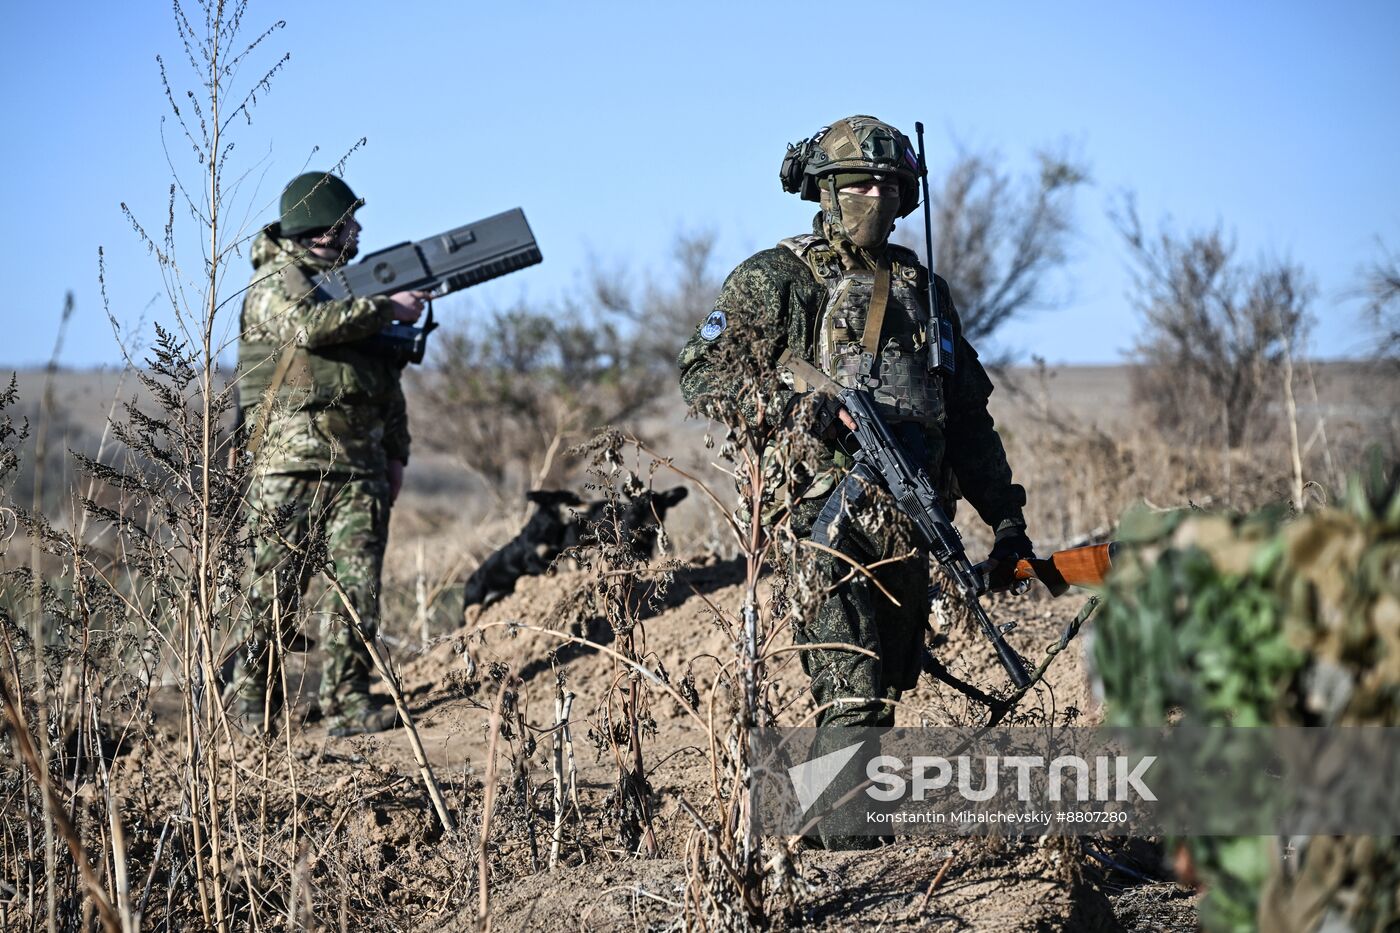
(314,202)
(854,150)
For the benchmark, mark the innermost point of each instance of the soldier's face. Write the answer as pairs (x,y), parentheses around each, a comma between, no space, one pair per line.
(343,241)
(868,210)
(349,236)
(880,188)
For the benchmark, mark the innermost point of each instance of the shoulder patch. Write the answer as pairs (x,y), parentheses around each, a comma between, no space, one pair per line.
(801,243)
(714,325)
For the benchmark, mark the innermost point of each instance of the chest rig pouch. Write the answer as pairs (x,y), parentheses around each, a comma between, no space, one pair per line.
(306,379)
(874,332)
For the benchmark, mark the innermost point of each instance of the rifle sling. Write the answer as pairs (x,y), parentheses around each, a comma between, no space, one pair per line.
(875,317)
(279,375)
(805,376)
(296,282)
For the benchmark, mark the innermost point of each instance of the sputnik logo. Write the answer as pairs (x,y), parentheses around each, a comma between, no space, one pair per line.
(811,778)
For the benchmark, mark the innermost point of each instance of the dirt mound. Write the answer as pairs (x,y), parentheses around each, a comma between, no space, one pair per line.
(366,791)
(1001,885)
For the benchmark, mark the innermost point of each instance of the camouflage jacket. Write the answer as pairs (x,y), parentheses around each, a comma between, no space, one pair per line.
(773,302)
(339,409)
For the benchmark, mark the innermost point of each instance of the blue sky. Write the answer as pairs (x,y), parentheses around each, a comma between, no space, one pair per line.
(617,125)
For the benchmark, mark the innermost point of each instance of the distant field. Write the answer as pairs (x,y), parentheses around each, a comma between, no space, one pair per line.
(444,498)
(1090,393)
(1348,393)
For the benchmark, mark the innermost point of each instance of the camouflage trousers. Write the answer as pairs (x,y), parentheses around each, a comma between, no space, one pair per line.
(854,688)
(857,613)
(309,519)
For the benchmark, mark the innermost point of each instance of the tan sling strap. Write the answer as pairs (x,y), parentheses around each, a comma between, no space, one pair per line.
(875,317)
(279,375)
(298,282)
(806,377)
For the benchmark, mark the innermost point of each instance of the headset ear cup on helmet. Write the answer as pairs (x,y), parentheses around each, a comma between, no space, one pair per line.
(794,167)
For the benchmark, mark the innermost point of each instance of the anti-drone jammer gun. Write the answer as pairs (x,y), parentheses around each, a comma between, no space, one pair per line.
(442,264)
(882,461)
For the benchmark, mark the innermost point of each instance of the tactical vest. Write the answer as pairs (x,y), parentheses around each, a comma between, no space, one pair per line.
(893,362)
(312,378)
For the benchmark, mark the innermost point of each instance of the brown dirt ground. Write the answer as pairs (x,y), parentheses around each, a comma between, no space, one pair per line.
(368,787)
(1007,884)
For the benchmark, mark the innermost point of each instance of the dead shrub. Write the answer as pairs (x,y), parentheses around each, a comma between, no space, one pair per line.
(1217,334)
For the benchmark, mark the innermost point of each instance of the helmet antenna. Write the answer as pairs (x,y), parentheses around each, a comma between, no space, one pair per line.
(941,348)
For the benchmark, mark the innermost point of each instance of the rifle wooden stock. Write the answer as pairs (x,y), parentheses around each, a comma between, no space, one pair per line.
(1079,566)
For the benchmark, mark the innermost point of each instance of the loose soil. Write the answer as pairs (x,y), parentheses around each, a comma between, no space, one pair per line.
(368,787)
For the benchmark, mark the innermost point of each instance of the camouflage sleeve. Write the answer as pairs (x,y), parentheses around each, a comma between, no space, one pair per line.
(975,451)
(396,439)
(277,311)
(740,342)
(330,322)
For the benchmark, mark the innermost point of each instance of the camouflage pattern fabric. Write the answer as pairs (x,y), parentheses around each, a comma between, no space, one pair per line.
(1258,620)
(320,474)
(859,614)
(339,410)
(772,302)
(852,689)
(774,293)
(350,518)
(907,390)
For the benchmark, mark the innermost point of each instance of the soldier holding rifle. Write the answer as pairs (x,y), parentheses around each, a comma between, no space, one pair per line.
(864,312)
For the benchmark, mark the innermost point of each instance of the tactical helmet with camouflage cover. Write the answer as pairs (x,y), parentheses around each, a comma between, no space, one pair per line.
(851,151)
(314,202)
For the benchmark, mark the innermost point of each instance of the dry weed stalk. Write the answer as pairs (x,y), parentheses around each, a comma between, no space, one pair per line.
(563,752)
(391,682)
(767,460)
(114,634)
(19,733)
(625,589)
(1291,410)
(488,806)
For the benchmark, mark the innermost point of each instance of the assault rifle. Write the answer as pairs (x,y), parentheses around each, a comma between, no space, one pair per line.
(442,264)
(881,461)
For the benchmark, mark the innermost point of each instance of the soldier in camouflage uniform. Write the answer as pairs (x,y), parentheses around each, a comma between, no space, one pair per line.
(325,424)
(815,295)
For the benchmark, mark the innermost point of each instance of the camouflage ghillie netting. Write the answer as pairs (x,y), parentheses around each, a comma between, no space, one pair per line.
(1257,620)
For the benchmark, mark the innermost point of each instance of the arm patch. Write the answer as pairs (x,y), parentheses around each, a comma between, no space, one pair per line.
(714,325)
